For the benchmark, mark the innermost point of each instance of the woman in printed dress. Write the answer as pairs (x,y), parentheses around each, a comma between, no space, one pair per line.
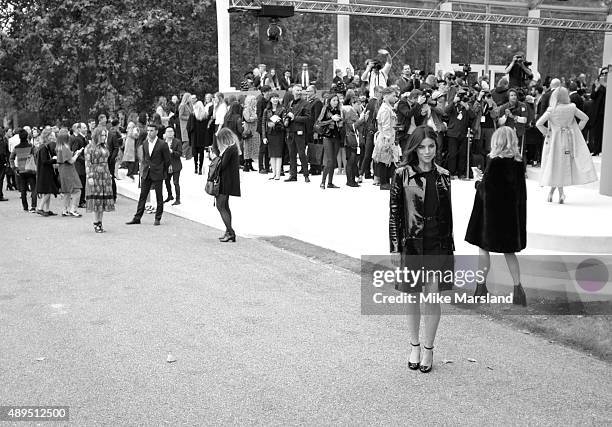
(98,188)
(251,143)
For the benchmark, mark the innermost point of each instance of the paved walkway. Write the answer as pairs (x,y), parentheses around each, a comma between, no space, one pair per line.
(261,336)
(354,221)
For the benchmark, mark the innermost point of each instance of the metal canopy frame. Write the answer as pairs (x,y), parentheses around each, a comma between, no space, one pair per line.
(391,11)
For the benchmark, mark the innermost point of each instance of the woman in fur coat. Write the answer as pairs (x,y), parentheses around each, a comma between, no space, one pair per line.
(499,218)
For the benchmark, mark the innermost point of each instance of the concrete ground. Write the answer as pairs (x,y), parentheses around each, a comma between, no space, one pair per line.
(260,336)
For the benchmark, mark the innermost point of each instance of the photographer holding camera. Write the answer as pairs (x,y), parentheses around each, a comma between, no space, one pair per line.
(485,111)
(375,73)
(514,114)
(460,116)
(409,115)
(518,71)
(408,81)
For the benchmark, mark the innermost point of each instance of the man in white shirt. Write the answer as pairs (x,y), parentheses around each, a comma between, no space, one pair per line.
(305,78)
(376,75)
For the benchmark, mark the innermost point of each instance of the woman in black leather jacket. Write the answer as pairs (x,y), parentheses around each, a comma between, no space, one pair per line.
(421,230)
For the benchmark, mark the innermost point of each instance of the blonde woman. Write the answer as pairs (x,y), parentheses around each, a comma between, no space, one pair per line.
(252,138)
(185,109)
(499,217)
(197,127)
(219,110)
(229,178)
(129,152)
(565,157)
(46,181)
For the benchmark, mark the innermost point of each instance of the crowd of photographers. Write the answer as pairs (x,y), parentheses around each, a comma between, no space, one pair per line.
(464,109)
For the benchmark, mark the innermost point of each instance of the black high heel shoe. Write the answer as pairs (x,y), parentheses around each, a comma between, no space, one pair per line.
(411,365)
(481,290)
(519,297)
(230,237)
(424,368)
(224,236)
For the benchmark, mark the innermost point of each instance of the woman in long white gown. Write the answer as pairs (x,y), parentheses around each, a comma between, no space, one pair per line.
(565,158)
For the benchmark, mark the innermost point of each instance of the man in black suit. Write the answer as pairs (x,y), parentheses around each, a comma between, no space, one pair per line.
(4,162)
(315,105)
(79,140)
(545,101)
(286,82)
(296,121)
(155,163)
(175,146)
(575,97)
(262,102)
(114,143)
(305,78)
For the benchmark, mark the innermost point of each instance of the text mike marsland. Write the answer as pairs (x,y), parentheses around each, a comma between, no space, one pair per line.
(437,298)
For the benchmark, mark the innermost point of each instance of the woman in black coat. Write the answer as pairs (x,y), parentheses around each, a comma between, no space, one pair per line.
(499,218)
(47,183)
(421,224)
(198,130)
(229,178)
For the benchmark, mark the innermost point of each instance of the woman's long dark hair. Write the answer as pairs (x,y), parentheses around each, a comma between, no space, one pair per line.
(409,156)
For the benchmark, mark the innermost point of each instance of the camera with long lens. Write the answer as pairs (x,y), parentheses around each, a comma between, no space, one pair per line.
(520,58)
(464,96)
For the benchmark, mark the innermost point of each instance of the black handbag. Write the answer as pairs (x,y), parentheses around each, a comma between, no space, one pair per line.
(213,181)
(318,127)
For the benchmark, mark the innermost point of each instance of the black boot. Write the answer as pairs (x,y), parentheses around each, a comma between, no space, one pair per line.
(519,297)
(481,290)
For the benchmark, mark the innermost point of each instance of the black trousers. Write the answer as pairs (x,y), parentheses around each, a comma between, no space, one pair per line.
(27,181)
(146,185)
(174,176)
(442,150)
(198,157)
(132,168)
(402,140)
(385,173)
(596,138)
(264,158)
(352,171)
(331,146)
(111,167)
(457,155)
(82,178)
(296,144)
(367,156)
(2,173)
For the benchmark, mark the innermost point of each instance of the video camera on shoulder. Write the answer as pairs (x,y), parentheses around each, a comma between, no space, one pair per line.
(467,68)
